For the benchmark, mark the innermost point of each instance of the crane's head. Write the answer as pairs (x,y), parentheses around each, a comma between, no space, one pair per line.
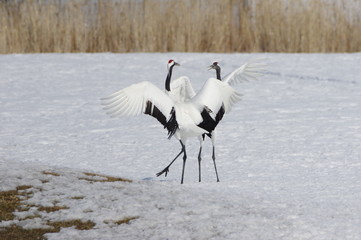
(172,63)
(214,66)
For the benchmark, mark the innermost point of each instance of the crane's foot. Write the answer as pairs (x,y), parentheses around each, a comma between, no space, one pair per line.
(165,171)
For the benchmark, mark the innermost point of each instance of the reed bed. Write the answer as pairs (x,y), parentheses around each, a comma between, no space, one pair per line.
(37,26)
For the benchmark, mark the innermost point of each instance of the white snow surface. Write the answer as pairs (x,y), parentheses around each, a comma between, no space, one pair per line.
(288,154)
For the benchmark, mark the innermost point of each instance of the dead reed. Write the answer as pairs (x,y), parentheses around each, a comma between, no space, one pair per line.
(36,26)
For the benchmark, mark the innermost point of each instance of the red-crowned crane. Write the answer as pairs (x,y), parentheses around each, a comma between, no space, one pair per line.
(183,119)
(182,89)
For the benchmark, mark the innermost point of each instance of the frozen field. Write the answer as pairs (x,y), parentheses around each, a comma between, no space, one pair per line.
(288,155)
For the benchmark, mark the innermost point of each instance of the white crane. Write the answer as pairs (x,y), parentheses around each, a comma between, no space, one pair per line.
(183,119)
(181,88)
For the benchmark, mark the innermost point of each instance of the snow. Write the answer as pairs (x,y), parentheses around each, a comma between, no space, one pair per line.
(288,155)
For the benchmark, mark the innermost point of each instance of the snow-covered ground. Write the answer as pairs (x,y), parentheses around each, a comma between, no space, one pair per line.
(288,155)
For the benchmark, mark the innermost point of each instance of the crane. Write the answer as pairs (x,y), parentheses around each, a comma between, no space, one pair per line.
(183,119)
(248,71)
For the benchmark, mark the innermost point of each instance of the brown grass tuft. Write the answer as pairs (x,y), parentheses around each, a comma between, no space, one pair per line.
(52,209)
(125,220)
(35,26)
(77,197)
(18,233)
(78,224)
(51,173)
(10,202)
(104,178)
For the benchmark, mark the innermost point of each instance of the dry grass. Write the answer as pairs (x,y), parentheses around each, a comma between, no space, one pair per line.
(92,177)
(52,208)
(18,233)
(77,197)
(13,200)
(51,173)
(29,26)
(125,220)
(10,202)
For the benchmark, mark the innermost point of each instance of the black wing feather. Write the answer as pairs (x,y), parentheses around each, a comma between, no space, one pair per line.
(171,125)
(155,112)
(208,122)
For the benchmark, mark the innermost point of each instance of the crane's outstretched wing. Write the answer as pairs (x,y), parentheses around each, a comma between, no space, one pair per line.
(181,89)
(248,71)
(215,95)
(143,97)
(213,100)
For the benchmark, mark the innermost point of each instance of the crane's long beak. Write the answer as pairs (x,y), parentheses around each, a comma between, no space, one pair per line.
(211,67)
(176,64)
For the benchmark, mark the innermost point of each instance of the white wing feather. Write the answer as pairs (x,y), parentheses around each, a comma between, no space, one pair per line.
(214,94)
(181,89)
(132,100)
(248,71)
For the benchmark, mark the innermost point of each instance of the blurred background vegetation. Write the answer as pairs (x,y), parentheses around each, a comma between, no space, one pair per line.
(37,26)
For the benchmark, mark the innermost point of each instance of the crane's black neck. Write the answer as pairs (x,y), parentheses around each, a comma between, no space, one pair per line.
(218,71)
(167,80)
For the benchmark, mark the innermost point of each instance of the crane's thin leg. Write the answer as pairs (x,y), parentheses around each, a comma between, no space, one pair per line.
(166,169)
(199,162)
(201,140)
(214,162)
(213,137)
(184,160)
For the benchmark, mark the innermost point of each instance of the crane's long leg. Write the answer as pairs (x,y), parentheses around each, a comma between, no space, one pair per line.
(184,160)
(201,140)
(213,138)
(199,163)
(214,162)
(166,169)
